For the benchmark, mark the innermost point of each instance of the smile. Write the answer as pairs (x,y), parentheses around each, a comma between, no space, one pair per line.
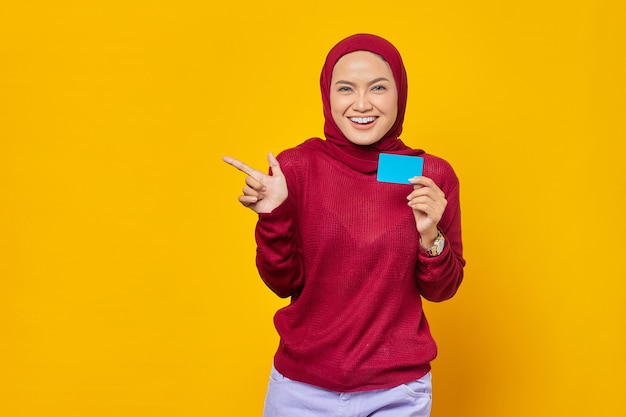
(362,120)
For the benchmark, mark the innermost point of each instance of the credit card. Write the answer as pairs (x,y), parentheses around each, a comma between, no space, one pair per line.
(398,168)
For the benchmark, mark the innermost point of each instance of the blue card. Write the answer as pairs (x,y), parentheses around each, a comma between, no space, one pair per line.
(398,168)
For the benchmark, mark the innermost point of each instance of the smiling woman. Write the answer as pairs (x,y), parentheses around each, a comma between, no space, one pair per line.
(127,279)
(356,255)
(363,97)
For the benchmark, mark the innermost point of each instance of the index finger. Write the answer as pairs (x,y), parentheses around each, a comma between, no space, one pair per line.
(240,165)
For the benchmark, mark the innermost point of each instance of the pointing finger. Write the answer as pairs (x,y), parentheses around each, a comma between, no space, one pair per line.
(240,166)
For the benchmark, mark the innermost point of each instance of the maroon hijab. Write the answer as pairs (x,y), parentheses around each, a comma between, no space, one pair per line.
(363,158)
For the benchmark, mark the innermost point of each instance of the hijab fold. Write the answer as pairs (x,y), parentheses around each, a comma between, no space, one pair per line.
(363,158)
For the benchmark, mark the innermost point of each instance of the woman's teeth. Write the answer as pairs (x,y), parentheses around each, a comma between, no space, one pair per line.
(362,120)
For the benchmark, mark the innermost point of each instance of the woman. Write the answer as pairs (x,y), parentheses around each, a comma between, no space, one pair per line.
(355,255)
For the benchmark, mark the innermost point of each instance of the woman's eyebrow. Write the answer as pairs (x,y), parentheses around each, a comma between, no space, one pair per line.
(374,81)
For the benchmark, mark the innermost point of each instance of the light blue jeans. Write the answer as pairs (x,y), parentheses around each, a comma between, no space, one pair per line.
(288,398)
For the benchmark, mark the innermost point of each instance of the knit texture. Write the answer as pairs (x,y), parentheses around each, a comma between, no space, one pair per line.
(345,248)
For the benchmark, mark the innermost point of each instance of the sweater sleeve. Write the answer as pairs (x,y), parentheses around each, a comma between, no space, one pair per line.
(439,277)
(278,257)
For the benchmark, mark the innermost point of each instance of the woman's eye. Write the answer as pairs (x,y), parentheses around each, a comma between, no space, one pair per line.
(378,88)
(344,89)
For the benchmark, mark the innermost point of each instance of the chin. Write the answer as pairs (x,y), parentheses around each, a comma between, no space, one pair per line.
(363,141)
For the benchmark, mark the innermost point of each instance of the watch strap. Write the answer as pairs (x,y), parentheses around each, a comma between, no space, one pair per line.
(437,247)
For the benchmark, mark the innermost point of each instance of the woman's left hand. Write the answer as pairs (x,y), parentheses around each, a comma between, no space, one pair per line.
(428,203)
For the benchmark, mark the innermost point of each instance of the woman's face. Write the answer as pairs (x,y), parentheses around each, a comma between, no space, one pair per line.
(363,97)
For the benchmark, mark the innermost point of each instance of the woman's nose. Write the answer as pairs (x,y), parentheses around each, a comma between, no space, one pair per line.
(362,103)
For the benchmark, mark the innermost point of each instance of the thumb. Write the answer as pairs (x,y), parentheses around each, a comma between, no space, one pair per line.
(274,164)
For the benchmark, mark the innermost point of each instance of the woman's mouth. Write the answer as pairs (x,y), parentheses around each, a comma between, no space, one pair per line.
(362,120)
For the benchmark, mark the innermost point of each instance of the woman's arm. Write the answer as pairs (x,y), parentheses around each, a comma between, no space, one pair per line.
(278,259)
(438,210)
(439,277)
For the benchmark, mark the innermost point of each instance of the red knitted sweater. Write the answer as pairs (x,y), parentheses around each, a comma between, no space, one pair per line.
(345,248)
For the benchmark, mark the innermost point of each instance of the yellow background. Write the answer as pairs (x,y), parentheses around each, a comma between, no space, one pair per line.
(127,278)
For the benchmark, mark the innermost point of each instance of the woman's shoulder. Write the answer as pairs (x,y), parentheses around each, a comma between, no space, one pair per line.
(298,162)
(301,154)
(439,170)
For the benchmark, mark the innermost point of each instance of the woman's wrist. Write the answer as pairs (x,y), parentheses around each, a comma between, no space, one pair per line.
(427,239)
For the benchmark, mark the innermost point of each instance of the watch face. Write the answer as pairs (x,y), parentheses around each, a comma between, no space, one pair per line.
(437,247)
(439,244)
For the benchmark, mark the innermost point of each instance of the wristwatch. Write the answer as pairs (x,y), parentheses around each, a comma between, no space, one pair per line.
(437,247)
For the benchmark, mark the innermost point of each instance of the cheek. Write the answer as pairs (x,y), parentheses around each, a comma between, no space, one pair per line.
(395,111)
(335,102)
(392,109)
(392,104)
(337,108)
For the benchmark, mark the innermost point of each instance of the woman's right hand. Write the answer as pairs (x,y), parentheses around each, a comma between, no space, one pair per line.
(263,192)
